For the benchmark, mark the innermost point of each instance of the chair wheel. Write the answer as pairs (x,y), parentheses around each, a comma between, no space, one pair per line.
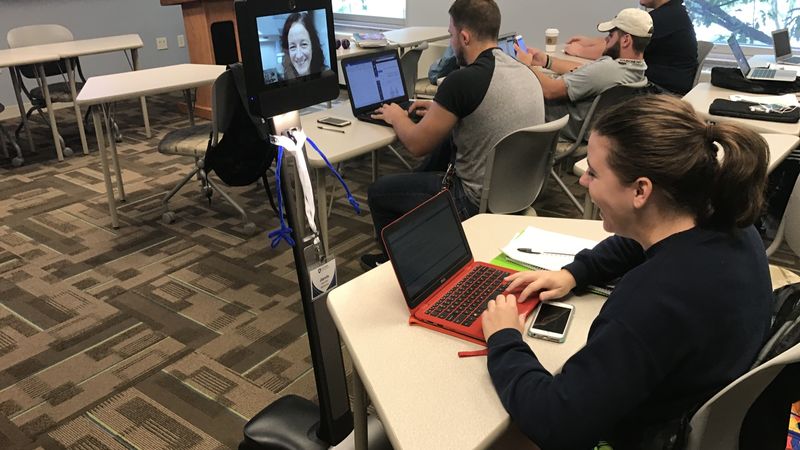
(16,162)
(118,137)
(250,228)
(207,191)
(168,217)
(68,152)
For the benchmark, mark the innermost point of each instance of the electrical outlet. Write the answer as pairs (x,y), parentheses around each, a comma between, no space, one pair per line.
(181,41)
(161,43)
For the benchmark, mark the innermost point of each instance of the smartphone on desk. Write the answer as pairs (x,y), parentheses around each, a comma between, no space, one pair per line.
(521,44)
(334,121)
(551,320)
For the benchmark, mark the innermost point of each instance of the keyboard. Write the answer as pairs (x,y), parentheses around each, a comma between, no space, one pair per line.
(465,301)
(763,73)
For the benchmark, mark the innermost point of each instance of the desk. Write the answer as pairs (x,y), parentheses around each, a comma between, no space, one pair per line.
(22,56)
(780,146)
(105,89)
(358,138)
(701,96)
(411,36)
(450,393)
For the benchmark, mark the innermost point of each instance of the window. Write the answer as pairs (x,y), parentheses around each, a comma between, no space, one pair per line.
(752,20)
(373,11)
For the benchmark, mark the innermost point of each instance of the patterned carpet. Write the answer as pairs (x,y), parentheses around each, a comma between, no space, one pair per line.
(153,336)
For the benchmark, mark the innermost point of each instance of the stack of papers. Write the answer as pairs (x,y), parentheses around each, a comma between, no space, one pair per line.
(370,40)
(546,249)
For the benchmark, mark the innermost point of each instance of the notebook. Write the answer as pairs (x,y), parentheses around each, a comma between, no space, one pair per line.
(758,73)
(433,263)
(783,47)
(372,80)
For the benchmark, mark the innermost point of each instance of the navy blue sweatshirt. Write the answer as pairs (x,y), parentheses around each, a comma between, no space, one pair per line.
(688,317)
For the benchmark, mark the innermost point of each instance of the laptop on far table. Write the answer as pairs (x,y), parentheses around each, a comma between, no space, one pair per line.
(757,73)
(374,79)
(444,287)
(783,48)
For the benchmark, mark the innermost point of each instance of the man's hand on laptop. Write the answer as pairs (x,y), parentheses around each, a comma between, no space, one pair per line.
(549,284)
(389,113)
(501,313)
(419,107)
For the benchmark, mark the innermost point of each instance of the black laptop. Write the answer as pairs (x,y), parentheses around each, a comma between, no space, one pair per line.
(374,79)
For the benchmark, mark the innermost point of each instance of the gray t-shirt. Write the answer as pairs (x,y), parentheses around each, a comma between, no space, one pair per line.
(492,97)
(587,82)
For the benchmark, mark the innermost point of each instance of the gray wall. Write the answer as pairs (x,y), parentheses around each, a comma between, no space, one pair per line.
(529,17)
(97,18)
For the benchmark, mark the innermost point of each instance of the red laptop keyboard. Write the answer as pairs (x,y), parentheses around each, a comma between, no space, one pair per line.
(465,302)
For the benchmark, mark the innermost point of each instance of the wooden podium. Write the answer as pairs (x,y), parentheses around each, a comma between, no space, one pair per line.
(198,15)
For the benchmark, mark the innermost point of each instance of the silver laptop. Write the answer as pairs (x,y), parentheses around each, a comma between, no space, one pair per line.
(783,47)
(758,73)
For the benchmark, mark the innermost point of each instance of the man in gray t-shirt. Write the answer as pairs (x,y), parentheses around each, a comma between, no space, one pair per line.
(622,63)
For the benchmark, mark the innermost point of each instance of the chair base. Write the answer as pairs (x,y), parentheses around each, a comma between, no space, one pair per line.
(289,423)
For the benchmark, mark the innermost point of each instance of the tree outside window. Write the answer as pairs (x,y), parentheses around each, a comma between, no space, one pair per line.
(752,21)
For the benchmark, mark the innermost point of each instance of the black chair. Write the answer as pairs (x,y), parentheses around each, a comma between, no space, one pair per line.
(4,136)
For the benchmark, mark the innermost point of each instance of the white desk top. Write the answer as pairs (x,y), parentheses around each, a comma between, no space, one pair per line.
(358,137)
(702,95)
(780,146)
(411,36)
(414,376)
(119,86)
(83,47)
(25,55)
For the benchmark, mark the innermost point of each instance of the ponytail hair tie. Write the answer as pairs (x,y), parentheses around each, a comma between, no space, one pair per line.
(710,132)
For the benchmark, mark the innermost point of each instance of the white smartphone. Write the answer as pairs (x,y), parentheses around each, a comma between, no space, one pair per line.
(551,320)
(521,43)
(334,121)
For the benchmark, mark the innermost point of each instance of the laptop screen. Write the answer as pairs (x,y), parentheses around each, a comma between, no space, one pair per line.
(744,66)
(780,41)
(374,80)
(506,44)
(427,246)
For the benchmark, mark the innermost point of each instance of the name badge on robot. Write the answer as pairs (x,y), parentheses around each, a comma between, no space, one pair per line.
(321,273)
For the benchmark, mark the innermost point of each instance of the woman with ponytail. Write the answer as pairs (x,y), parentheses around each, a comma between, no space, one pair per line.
(692,307)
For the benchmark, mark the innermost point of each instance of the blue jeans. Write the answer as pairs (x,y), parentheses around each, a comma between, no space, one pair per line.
(394,195)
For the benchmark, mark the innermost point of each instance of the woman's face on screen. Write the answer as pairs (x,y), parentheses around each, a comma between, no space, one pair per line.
(300,48)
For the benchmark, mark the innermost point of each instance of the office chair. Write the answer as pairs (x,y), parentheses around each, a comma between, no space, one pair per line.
(703,49)
(195,140)
(576,150)
(789,228)
(4,136)
(409,64)
(752,412)
(517,167)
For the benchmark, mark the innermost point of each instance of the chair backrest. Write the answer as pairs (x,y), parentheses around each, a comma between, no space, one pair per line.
(224,98)
(789,228)
(517,167)
(703,49)
(602,102)
(409,64)
(38,35)
(718,423)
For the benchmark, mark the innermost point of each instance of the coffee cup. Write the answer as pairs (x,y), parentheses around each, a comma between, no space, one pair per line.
(550,39)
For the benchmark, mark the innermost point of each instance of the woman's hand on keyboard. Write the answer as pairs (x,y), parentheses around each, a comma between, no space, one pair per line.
(501,313)
(549,284)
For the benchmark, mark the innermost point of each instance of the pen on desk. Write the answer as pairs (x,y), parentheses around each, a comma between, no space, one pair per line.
(330,129)
(534,252)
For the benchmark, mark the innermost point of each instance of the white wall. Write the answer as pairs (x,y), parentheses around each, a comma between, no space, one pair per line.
(529,17)
(97,18)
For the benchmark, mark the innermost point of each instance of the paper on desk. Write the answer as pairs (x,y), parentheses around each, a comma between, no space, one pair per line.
(544,241)
(780,100)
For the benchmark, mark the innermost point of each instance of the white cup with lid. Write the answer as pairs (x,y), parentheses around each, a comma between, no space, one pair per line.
(550,39)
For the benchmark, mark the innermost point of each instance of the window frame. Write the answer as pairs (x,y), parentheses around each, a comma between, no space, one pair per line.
(373,21)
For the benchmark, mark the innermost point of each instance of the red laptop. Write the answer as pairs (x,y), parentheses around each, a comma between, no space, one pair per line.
(444,287)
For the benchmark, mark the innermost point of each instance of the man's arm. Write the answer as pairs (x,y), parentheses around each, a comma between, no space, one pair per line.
(585,47)
(536,57)
(552,88)
(423,137)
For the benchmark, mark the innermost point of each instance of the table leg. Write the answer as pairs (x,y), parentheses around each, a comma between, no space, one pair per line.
(50,113)
(98,131)
(112,143)
(375,163)
(78,116)
(145,116)
(187,95)
(322,204)
(359,413)
(16,81)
